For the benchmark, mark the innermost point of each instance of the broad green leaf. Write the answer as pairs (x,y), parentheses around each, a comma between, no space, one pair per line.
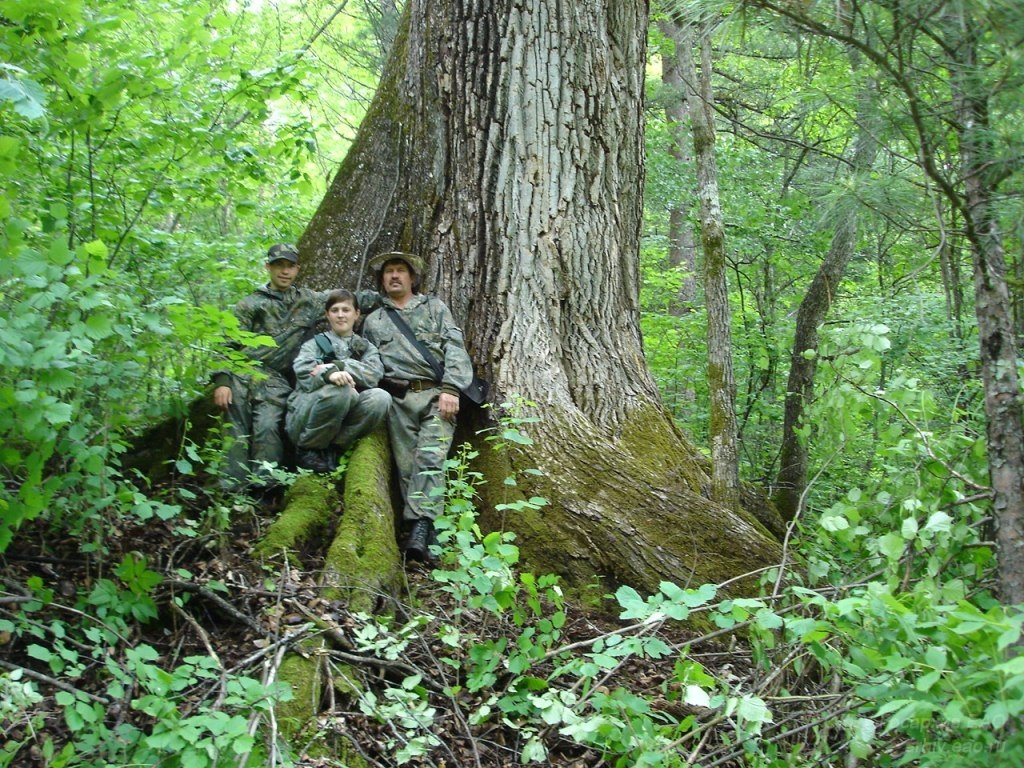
(935,656)
(753,709)
(861,731)
(939,521)
(99,325)
(634,606)
(834,522)
(27,97)
(697,696)
(892,546)
(997,714)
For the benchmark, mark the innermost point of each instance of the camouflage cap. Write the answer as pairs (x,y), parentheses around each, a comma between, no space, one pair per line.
(282,251)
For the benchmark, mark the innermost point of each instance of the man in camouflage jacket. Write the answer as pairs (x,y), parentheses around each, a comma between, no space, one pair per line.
(422,422)
(255,405)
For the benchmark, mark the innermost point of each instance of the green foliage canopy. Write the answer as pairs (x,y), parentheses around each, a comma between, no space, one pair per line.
(149,151)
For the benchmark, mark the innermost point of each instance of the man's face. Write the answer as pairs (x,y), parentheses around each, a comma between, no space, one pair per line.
(282,274)
(342,316)
(397,279)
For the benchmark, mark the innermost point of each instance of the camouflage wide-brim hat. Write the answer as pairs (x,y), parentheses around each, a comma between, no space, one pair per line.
(415,262)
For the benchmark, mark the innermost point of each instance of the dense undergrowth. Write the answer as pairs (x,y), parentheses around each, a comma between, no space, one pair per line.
(878,639)
(160,646)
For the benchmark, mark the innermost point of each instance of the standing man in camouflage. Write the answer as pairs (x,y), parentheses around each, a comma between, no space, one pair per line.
(421,422)
(255,405)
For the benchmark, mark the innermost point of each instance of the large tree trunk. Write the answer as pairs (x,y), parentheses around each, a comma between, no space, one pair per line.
(505,146)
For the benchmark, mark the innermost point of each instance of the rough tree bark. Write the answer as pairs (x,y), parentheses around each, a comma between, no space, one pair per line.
(505,146)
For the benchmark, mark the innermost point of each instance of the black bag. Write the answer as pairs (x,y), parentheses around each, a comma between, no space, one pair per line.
(475,393)
(327,353)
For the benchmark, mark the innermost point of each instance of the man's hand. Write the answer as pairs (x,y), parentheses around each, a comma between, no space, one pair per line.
(222,397)
(448,405)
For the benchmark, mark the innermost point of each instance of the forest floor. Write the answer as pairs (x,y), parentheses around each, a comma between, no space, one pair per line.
(215,600)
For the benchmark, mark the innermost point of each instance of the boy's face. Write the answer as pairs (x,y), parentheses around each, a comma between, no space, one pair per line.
(282,274)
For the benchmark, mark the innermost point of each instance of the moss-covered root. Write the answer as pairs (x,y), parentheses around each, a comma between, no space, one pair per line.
(302,672)
(363,563)
(297,719)
(308,514)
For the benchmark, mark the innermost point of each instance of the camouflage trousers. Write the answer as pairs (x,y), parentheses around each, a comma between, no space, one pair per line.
(420,441)
(254,426)
(334,415)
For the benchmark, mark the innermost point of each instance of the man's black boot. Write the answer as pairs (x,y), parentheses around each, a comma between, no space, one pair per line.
(416,543)
(316,459)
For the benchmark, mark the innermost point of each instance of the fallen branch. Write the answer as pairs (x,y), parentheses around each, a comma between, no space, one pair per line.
(224,605)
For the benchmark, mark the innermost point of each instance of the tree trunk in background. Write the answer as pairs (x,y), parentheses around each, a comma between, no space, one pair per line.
(1005,437)
(505,146)
(725,480)
(682,250)
(949,264)
(791,481)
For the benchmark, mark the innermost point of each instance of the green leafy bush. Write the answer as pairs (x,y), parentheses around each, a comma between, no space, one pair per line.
(902,664)
(73,353)
(193,715)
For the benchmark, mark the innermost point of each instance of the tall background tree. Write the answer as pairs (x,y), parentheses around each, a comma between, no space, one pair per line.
(725,480)
(792,477)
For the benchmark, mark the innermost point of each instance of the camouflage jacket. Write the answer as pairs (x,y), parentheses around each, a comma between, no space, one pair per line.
(434,326)
(353,354)
(288,317)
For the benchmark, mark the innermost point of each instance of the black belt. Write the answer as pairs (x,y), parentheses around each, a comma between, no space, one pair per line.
(421,385)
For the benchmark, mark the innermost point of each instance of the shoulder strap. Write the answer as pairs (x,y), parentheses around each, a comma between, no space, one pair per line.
(401,325)
(326,348)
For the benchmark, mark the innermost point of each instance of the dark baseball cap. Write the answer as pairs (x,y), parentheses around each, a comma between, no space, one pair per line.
(282,251)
